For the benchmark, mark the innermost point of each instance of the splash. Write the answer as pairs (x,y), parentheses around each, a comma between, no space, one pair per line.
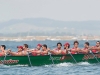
(7,66)
(69,64)
(65,64)
(60,65)
(84,63)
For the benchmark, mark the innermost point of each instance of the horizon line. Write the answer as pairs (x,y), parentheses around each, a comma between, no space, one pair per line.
(48,19)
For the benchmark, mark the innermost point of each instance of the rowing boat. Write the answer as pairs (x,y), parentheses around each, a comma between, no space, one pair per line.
(47,59)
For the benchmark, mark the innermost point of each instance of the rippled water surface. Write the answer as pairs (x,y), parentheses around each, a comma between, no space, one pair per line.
(63,68)
(83,68)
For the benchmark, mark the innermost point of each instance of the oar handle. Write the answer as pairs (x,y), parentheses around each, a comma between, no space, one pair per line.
(29,59)
(90,51)
(49,53)
(69,49)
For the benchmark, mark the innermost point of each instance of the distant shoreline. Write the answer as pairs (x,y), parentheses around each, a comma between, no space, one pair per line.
(52,38)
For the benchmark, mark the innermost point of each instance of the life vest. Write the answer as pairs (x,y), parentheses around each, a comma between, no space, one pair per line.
(43,54)
(1,54)
(56,49)
(73,52)
(35,49)
(94,50)
(84,49)
(17,52)
(63,53)
(34,54)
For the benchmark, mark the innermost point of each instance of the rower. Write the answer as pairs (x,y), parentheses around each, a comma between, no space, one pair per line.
(44,50)
(96,49)
(36,51)
(3,51)
(66,47)
(25,48)
(85,50)
(18,53)
(57,50)
(75,49)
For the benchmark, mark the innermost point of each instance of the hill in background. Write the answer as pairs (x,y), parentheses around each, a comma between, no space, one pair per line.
(44,26)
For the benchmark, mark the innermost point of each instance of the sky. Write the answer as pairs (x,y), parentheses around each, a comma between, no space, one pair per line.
(64,10)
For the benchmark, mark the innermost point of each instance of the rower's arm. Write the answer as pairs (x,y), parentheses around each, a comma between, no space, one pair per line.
(86,51)
(98,48)
(80,50)
(15,54)
(52,52)
(30,50)
(74,50)
(45,52)
(57,53)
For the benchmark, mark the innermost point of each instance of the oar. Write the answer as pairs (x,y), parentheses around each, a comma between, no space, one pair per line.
(4,58)
(95,56)
(51,57)
(29,59)
(72,56)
